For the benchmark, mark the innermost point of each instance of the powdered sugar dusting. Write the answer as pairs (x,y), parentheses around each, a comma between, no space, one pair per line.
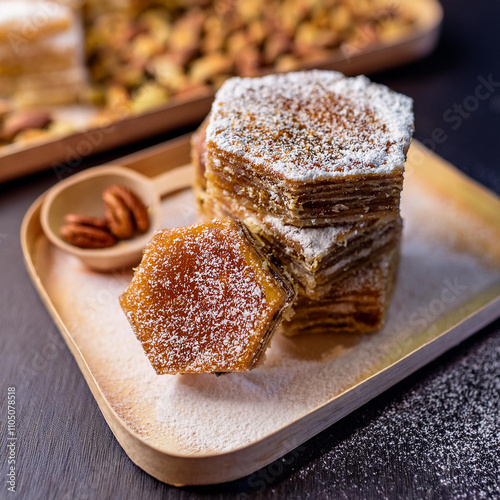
(312,125)
(197,413)
(197,302)
(315,242)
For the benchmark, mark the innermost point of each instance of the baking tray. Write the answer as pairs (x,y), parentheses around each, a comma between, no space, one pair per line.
(202,429)
(18,160)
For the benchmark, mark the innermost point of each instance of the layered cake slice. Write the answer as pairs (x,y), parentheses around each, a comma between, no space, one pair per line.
(26,21)
(60,51)
(357,304)
(313,148)
(316,257)
(205,299)
(50,87)
(42,55)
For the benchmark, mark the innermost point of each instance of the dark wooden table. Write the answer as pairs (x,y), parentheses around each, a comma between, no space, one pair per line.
(435,435)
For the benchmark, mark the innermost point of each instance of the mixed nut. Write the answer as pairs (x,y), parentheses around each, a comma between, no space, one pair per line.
(125,213)
(147,56)
(22,126)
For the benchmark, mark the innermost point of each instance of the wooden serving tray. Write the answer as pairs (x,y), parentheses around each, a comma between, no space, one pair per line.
(202,429)
(17,160)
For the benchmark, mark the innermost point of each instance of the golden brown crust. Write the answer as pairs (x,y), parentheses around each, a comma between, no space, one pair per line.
(205,300)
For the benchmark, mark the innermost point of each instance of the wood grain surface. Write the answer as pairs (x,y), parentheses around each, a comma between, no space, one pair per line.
(435,435)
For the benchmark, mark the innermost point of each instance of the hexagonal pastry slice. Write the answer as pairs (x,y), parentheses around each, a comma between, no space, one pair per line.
(313,148)
(205,299)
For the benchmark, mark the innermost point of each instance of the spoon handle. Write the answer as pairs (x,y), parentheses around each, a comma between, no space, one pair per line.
(174,180)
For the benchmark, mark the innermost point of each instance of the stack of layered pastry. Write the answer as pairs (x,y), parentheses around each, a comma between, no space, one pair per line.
(312,164)
(41,52)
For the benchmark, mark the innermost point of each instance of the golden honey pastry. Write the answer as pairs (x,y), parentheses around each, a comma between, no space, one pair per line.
(205,300)
(312,164)
(313,148)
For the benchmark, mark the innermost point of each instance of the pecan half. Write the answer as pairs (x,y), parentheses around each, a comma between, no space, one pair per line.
(124,210)
(87,236)
(86,220)
(119,217)
(22,120)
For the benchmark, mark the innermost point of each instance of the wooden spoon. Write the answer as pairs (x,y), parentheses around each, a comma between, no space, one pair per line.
(82,194)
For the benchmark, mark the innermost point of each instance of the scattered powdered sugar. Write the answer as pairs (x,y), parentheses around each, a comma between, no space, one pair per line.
(199,413)
(443,431)
(312,125)
(315,241)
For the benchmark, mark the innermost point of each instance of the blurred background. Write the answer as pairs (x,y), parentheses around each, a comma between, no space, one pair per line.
(68,66)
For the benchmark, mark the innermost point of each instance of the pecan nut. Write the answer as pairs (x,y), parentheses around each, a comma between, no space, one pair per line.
(20,121)
(119,217)
(80,232)
(124,211)
(86,220)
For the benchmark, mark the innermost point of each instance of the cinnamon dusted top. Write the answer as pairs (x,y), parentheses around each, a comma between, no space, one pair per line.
(312,125)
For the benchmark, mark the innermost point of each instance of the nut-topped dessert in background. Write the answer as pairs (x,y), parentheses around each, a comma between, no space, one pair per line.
(42,65)
(141,54)
(312,163)
(41,53)
(147,53)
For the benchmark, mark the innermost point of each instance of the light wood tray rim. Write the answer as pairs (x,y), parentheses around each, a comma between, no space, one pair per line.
(170,466)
